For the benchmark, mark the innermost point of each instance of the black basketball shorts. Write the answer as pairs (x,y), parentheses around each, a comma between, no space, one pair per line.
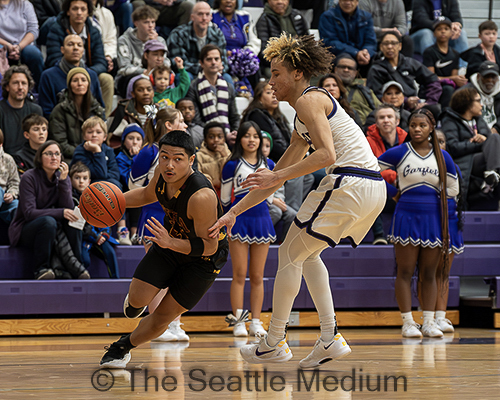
(187,278)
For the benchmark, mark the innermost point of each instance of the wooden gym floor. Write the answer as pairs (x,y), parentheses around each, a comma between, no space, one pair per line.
(465,365)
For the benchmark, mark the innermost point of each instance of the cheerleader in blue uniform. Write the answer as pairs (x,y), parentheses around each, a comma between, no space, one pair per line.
(159,123)
(253,230)
(420,227)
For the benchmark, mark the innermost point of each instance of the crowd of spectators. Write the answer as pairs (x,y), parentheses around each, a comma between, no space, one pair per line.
(64,63)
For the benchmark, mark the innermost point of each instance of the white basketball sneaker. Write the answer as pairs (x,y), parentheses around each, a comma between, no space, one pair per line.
(411,330)
(430,329)
(324,352)
(168,336)
(256,328)
(175,328)
(261,352)
(445,325)
(240,330)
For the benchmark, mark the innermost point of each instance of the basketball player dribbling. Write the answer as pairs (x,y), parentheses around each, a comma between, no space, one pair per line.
(183,257)
(345,204)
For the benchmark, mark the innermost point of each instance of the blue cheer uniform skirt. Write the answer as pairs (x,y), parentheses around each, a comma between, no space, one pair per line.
(419,224)
(254,225)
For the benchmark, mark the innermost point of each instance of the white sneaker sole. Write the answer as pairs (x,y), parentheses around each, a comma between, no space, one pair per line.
(344,353)
(118,364)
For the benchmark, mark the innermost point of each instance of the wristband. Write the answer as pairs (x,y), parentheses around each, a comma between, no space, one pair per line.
(197,247)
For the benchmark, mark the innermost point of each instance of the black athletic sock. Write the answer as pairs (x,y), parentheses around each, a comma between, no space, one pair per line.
(133,312)
(125,342)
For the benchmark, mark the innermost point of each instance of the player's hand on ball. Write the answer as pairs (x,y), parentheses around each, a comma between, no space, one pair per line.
(161,236)
(70,215)
(227,220)
(262,179)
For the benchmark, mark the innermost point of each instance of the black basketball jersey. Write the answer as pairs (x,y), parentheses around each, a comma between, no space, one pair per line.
(176,221)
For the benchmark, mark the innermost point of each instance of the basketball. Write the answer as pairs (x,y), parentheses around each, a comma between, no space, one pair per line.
(102,204)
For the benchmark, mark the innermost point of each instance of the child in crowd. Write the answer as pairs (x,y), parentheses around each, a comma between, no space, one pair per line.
(278,210)
(132,141)
(165,90)
(132,109)
(487,50)
(98,239)
(9,185)
(443,60)
(213,153)
(188,110)
(95,154)
(35,128)
(252,232)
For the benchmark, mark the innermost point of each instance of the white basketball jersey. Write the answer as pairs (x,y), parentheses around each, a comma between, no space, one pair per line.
(351,147)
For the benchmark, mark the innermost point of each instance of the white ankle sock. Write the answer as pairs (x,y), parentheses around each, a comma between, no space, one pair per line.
(276,331)
(327,327)
(255,321)
(440,314)
(407,317)
(428,316)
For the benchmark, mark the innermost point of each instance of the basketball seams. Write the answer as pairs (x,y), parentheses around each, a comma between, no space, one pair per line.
(91,218)
(97,199)
(101,202)
(116,198)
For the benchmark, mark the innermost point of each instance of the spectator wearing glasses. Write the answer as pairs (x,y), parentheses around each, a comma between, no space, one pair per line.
(41,222)
(394,66)
(361,98)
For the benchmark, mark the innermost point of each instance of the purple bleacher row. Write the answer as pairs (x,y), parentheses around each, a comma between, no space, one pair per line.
(360,278)
(106,295)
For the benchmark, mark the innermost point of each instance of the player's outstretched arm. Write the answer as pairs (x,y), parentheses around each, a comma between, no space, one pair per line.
(142,196)
(264,180)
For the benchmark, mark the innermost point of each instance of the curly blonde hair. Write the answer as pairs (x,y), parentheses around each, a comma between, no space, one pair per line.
(303,53)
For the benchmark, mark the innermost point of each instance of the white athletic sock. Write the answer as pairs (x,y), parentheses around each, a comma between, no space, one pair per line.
(328,325)
(276,331)
(255,321)
(428,316)
(440,314)
(407,317)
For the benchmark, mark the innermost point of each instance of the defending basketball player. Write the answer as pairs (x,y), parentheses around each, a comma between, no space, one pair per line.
(345,204)
(183,256)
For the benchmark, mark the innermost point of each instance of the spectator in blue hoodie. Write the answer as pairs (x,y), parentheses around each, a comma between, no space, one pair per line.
(347,29)
(132,140)
(95,154)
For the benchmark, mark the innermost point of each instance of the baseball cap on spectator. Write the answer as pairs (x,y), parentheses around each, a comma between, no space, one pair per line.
(488,68)
(154,45)
(392,83)
(132,128)
(441,20)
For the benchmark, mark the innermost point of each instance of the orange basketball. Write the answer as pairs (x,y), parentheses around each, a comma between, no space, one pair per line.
(102,204)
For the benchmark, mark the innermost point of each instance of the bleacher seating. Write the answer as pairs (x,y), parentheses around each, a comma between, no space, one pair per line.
(361,278)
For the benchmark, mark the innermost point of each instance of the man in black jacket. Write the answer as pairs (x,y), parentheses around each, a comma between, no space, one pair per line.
(425,15)
(278,16)
(393,66)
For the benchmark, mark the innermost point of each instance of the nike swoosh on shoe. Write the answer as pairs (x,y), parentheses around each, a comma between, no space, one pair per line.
(259,353)
(327,347)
